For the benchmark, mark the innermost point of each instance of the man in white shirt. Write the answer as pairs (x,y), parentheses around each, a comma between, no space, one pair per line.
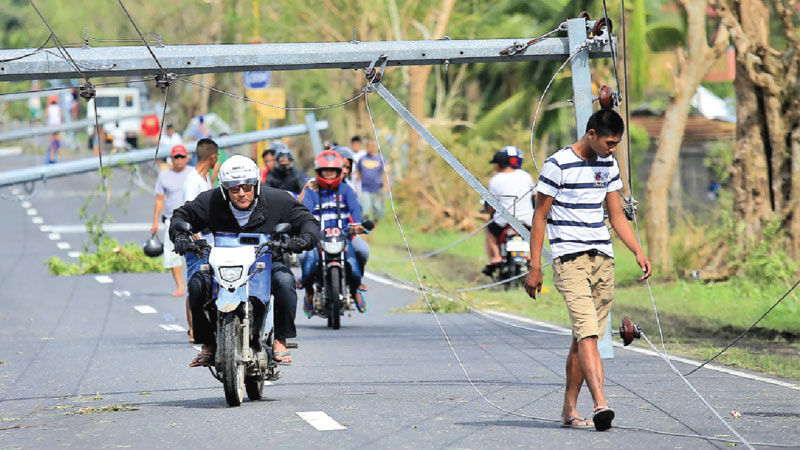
(514,189)
(198,181)
(171,138)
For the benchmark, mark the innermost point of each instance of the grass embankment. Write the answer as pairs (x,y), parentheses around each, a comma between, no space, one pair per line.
(698,319)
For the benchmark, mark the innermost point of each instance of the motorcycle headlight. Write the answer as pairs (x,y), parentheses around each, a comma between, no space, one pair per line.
(333,246)
(230,274)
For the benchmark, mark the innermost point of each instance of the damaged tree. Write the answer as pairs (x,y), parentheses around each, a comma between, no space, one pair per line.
(694,62)
(766,164)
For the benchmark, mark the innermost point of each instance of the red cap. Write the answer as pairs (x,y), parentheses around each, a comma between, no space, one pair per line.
(179,150)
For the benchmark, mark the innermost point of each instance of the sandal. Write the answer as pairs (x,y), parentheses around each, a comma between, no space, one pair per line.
(205,358)
(602,418)
(279,358)
(362,305)
(308,308)
(581,423)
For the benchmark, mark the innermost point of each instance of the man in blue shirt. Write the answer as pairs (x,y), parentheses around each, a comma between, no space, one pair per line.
(369,171)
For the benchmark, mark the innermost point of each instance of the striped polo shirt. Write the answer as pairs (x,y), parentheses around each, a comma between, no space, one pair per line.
(578,187)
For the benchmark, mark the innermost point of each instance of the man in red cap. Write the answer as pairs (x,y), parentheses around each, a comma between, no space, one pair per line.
(169,195)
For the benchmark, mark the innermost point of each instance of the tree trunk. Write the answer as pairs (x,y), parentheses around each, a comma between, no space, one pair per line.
(417,93)
(691,69)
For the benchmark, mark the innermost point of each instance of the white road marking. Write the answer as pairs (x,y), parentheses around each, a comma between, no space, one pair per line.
(172,327)
(10,151)
(103,279)
(320,421)
(268,383)
(198,348)
(122,293)
(53,236)
(14,191)
(108,227)
(74,254)
(25,205)
(31,212)
(387,281)
(145,309)
(37,220)
(652,353)
(63,245)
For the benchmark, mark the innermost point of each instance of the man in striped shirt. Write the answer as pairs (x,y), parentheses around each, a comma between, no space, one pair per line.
(574,183)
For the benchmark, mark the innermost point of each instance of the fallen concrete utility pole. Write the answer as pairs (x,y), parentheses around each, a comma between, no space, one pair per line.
(62,169)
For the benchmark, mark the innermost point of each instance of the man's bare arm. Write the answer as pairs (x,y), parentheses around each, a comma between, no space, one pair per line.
(623,228)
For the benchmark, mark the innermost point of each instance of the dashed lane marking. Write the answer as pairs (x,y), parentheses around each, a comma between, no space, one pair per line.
(63,245)
(53,236)
(108,227)
(320,421)
(74,254)
(172,327)
(145,309)
(25,205)
(31,212)
(37,220)
(102,279)
(122,293)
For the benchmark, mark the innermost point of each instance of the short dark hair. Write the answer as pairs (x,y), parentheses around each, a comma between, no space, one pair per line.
(355,139)
(606,122)
(269,151)
(205,148)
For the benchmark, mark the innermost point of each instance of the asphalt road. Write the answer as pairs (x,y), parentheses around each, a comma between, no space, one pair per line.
(82,367)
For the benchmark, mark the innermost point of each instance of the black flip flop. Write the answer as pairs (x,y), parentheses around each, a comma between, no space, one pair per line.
(602,419)
(571,423)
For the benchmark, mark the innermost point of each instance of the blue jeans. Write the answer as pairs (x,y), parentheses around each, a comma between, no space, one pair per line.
(362,252)
(309,262)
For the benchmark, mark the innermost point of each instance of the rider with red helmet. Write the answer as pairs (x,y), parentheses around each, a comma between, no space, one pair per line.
(335,204)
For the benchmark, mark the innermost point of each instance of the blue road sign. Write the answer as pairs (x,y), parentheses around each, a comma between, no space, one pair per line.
(257,80)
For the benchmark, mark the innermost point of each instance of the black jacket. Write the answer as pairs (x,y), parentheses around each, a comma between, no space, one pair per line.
(211,211)
(292,180)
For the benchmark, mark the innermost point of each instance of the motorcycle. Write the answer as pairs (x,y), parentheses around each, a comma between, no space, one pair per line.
(516,255)
(240,266)
(331,295)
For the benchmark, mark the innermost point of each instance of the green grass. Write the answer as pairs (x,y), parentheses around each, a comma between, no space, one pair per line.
(698,319)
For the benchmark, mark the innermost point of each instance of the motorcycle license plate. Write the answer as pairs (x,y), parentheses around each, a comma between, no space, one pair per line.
(517,246)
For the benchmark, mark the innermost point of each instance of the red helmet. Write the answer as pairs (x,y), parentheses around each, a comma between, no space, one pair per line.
(328,159)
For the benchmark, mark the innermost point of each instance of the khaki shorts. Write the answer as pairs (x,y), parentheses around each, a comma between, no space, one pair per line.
(587,284)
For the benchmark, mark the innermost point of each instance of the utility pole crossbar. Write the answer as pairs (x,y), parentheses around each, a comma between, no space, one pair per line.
(199,59)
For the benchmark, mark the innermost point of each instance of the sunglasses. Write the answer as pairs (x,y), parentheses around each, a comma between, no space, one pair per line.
(243,187)
(178,156)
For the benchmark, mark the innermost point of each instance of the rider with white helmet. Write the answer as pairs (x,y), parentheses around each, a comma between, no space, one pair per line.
(240,205)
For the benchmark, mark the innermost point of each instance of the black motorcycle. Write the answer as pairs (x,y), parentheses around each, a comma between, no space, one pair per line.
(516,255)
(331,295)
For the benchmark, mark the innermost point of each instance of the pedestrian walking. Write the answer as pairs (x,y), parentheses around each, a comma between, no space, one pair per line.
(369,172)
(573,185)
(169,195)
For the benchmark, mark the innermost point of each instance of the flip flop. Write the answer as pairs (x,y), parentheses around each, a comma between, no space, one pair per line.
(203,359)
(361,307)
(278,358)
(602,418)
(571,423)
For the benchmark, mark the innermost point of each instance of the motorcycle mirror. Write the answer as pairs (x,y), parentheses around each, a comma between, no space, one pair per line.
(183,226)
(283,228)
(368,225)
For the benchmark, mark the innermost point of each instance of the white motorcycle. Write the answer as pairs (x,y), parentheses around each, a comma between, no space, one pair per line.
(240,266)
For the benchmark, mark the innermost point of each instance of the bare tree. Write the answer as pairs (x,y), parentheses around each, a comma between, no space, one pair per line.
(694,62)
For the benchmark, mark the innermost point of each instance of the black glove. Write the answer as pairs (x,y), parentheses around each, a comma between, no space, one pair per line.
(182,244)
(297,244)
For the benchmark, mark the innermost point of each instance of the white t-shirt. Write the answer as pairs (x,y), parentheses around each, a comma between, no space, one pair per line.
(192,187)
(578,187)
(53,115)
(119,137)
(168,141)
(515,191)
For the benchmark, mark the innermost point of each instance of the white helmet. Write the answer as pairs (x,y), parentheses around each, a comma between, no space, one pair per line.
(238,170)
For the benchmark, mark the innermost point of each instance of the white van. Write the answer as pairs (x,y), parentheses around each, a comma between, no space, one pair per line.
(118,102)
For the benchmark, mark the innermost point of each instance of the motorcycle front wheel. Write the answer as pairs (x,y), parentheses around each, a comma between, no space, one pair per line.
(334,297)
(229,350)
